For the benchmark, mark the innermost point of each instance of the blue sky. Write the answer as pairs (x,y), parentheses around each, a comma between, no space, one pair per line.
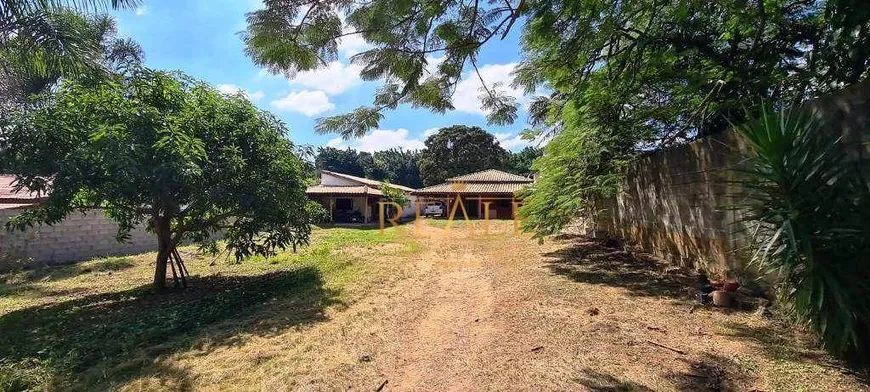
(200,38)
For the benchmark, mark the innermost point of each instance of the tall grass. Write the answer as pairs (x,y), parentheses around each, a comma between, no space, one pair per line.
(809,209)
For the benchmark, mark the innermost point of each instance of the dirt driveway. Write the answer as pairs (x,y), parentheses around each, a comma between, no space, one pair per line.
(501,312)
(415,309)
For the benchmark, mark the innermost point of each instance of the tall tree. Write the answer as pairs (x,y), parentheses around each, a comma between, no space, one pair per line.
(395,165)
(459,150)
(165,150)
(675,69)
(400,166)
(521,162)
(338,160)
(369,166)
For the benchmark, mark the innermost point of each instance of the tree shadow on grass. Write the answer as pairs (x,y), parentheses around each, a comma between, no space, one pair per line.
(113,337)
(778,343)
(601,382)
(595,261)
(781,344)
(31,290)
(712,373)
(707,372)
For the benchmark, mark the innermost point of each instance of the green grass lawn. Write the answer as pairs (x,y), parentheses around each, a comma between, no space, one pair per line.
(96,324)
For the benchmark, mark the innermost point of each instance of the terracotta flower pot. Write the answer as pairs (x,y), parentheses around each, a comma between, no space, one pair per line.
(731,286)
(722,298)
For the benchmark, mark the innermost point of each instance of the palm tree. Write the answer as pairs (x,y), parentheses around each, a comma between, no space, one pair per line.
(42,41)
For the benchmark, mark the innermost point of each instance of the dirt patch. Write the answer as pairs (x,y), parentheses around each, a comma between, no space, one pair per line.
(456,328)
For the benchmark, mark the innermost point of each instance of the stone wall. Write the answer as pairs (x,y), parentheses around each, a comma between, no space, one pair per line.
(79,237)
(674,203)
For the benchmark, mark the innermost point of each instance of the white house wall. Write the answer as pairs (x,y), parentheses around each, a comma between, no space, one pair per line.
(330,180)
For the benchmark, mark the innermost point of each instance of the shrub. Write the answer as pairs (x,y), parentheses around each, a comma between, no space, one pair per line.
(317,212)
(808,207)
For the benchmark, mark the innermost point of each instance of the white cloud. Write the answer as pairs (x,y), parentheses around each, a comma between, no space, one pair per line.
(468,90)
(380,139)
(307,102)
(233,89)
(432,64)
(352,44)
(511,141)
(335,143)
(263,74)
(141,11)
(334,79)
(430,131)
(256,95)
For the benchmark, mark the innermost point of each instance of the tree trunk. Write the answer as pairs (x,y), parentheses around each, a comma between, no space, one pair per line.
(164,249)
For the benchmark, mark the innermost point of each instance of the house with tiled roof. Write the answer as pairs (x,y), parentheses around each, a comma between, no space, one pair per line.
(484,194)
(352,199)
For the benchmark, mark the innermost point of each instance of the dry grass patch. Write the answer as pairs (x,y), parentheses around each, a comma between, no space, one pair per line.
(97,324)
(647,334)
(419,308)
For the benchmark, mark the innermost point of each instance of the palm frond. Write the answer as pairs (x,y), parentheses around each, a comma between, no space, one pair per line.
(52,42)
(21,7)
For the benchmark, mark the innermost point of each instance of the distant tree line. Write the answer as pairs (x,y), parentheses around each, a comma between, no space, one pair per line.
(451,151)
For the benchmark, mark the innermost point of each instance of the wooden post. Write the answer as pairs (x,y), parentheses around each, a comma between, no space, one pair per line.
(479,206)
(367,212)
(331,207)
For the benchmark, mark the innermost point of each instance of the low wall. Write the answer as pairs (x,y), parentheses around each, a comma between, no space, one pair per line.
(674,202)
(81,236)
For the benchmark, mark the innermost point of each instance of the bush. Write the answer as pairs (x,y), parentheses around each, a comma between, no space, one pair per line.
(317,212)
(809,210)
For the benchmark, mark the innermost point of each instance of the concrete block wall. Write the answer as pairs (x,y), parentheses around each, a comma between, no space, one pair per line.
(675,203)
(81,236)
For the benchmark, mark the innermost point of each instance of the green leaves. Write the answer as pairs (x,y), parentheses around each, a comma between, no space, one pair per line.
(162,145)
(43,41)
(406,35)
(459,150)
(393,194)
(399,166)
(396,166)
(809,208)
(521,162)
(56,40)
(354,124)
(282,46)
(579,166)
(500,107)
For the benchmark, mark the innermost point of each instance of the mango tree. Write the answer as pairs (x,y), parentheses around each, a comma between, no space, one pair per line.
(166,151)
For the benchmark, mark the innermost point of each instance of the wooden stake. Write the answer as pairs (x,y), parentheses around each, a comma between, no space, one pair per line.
(172,265)
(181,267)
(681,352)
